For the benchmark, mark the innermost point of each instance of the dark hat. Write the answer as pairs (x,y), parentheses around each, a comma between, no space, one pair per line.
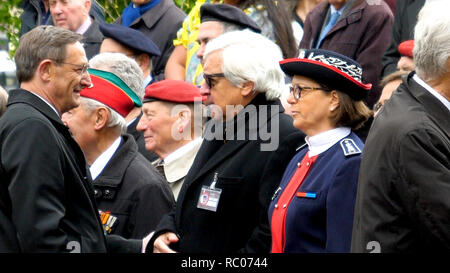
(110,90)
(173,91)
(229,14)
(406,48)
(329,68)
(131,38)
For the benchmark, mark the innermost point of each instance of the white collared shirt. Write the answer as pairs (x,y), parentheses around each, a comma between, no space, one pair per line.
(100,163)
(85,26)
(432,91)
(321,142)
(181,151)
(51,106)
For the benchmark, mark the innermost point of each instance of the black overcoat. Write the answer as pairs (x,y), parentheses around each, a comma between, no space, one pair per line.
(247,177)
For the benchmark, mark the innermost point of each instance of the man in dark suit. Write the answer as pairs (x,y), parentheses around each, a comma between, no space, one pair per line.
(222,205)
(360,30)
(74,15)
(159,20)
(403,203)
(47,200)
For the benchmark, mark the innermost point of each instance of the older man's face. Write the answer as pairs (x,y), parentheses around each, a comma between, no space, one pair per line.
(69,14)
(221,91)
(140,2)
(81,125)
(156,124)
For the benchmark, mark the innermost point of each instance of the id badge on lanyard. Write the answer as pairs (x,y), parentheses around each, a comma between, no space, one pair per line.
(209,196)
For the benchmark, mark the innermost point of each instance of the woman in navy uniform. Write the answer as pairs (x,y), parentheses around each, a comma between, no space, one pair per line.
(312,210)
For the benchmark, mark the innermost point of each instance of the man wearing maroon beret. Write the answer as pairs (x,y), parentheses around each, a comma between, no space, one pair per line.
(131,195)
(170,129)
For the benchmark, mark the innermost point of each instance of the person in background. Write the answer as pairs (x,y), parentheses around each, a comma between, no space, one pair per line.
(222,205)
(74,15)
(170,129)
(405,18)
(271,19)
(406,61)
(131,195)
(312,210)
(37,12)
(134,44)
(47,200)
(390,83)
(205,22)
(299,9)
(159,20)
(358,29)
(403,202)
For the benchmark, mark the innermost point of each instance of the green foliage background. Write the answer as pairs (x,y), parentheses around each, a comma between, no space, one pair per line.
(10,11)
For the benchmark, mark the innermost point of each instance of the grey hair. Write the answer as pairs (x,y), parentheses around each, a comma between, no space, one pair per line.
(432,40)
(125,68)
(115,119)
(248,56)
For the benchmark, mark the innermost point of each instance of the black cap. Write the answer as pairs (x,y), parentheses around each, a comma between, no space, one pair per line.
(229,14)
(131,38)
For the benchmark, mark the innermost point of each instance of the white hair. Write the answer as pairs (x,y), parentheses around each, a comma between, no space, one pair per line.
(432,40)
(123,67)
(115,119)
(248,56)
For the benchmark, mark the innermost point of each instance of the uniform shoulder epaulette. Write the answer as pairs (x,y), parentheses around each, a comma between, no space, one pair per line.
(304,144)
(349,147)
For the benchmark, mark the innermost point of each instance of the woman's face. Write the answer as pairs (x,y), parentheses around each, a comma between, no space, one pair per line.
(311,112)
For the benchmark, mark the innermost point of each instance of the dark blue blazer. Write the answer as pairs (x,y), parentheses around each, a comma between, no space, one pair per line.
(323,223)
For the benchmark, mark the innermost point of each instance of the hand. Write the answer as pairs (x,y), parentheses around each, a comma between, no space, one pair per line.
(162,243)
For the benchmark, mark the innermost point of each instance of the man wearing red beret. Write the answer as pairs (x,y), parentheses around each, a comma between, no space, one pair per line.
(170,129)
(131,195)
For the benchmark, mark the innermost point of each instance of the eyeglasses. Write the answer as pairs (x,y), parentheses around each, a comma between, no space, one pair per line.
(82,69)
(208,78)
(297,90)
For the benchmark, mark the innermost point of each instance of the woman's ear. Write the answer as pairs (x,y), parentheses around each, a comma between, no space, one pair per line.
(334,100)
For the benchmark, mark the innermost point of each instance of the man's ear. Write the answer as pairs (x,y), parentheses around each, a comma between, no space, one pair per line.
(46,70)
(101,116)
(143,61)
(247,88)
(87,5)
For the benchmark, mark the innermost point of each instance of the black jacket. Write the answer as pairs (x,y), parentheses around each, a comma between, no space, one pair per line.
(247,177)
(403,202)
(133,191)
(46,193)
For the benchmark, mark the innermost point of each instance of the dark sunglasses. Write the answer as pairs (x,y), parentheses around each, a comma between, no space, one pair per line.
(208,78)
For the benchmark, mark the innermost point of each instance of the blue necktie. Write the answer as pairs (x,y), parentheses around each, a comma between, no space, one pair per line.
(333,18)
